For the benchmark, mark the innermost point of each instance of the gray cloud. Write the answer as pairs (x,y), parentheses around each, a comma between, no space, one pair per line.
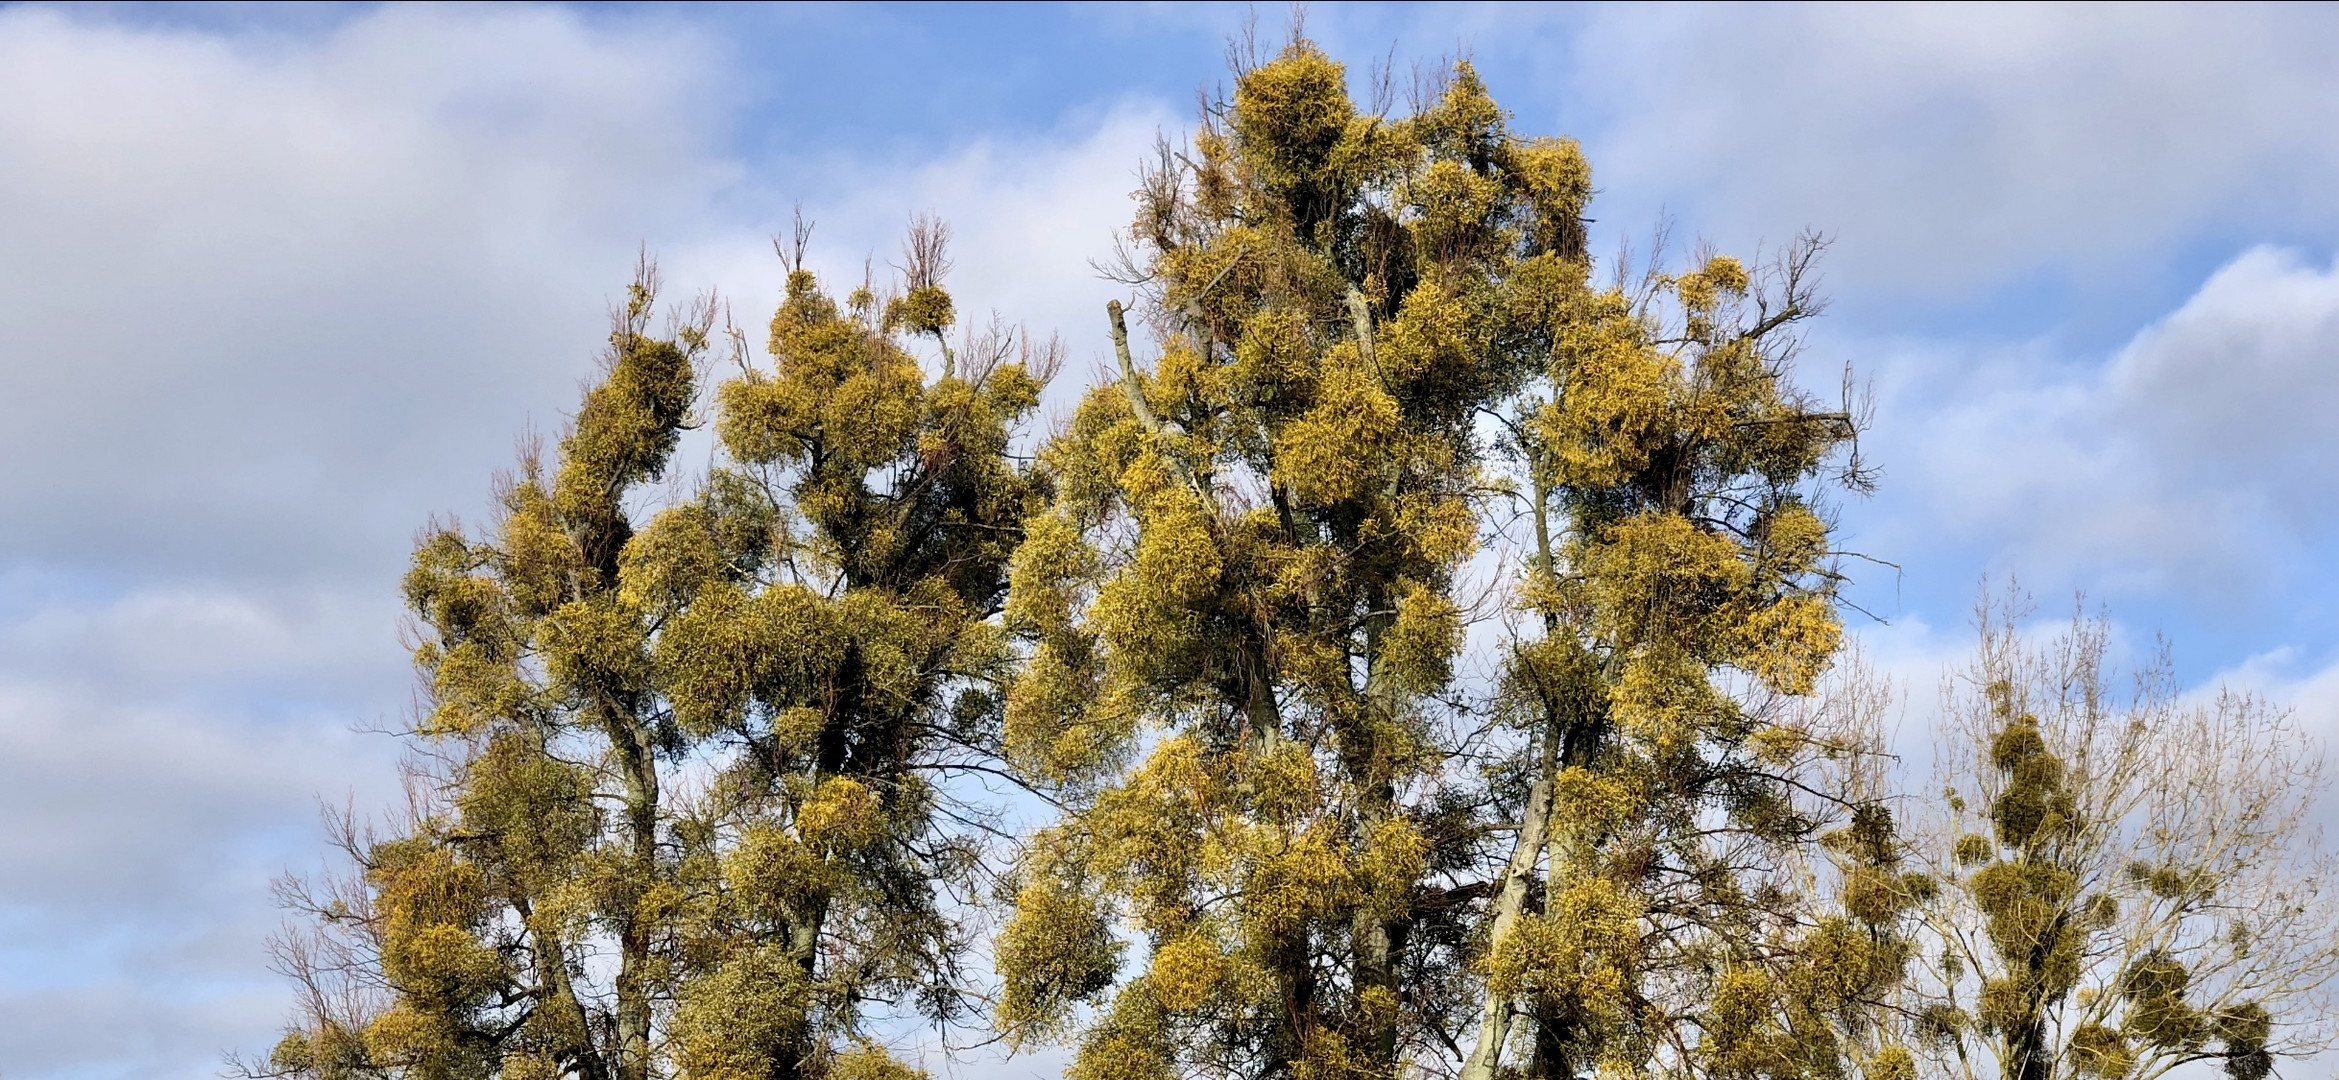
(146,801)
(270,302)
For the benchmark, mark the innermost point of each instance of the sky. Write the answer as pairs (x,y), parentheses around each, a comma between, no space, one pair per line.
(280,282)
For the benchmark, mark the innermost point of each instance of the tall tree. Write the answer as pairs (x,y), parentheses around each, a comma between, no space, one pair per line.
(2131,880)
(1660,909)
(1249,575)
(1244,608)
(686,810)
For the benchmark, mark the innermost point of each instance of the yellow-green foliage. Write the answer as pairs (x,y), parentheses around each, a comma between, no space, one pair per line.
(2042,928)
(744,1020)
(1577,959)
(1339,447)
(813,620)
(2101,1052)
(925,309)
(1056,951)
(434,909)
(1743,1039)
(1685,587)
(2097,926)
(1251,563)
(2034,915)
(1217,620)
(532,813)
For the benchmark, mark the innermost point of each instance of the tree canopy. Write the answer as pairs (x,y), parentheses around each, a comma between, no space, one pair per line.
(1419,655)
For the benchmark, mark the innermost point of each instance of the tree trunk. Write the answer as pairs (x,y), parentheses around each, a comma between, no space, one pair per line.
(1510,900)
(561,995)
(640,767)
(1376,953)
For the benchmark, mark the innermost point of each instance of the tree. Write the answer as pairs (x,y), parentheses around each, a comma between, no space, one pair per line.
(1251,564)
(1688,798)
(681,803)
(2130,881)
(1244,606)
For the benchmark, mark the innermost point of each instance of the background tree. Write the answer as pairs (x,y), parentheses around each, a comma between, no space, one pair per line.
(1249,583)
(681,807)
(2131,881)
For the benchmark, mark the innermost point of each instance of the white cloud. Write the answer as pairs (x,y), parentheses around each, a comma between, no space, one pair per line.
(1960,147)
(270,302)
(164,754)
(1027,216)
(153,641)
(2284,676)
(2238,388)
(2195,460)
(257,291)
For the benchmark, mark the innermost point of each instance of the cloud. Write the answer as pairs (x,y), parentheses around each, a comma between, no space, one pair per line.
(2241,384)
(162,764)
(1958,149)
(124,1029)
(2283,675)
(1028,216)
(271,301)
(266,300)
(2193,462)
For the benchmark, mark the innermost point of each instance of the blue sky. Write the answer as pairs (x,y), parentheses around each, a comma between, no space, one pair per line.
(277,284)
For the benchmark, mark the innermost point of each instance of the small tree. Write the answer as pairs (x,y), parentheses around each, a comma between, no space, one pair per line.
(680,805)
(2130,882)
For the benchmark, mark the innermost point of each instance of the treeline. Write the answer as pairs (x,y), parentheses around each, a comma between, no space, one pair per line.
(1423,658)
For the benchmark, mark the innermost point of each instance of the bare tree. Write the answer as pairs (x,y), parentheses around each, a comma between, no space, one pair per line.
(2128,882)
